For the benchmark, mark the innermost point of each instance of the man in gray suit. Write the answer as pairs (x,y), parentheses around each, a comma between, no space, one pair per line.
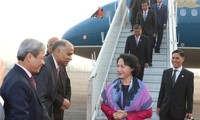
(48,78)
(2,71)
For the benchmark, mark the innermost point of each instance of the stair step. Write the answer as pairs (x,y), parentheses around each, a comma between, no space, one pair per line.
(152,75)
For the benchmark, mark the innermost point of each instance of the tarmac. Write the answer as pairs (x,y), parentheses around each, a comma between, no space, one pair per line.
(78,108)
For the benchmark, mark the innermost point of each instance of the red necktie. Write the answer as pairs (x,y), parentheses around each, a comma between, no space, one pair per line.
(33,82)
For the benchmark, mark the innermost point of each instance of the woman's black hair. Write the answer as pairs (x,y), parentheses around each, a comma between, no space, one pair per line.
(132,61)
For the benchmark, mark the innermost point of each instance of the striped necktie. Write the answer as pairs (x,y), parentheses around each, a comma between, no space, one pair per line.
(33,82)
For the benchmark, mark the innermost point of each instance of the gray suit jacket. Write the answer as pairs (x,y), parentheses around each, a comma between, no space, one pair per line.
(2,115)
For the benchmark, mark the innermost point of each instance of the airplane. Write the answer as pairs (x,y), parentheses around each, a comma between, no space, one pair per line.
(88,36)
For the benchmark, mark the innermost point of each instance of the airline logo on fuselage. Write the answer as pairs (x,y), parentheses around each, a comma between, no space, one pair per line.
(188,3)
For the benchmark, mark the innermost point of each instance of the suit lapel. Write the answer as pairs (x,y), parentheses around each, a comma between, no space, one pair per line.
(180,77)
(140,40)
(134,41)
(170,76)
(147,14)
(28,79)
(141,16)
(50,57)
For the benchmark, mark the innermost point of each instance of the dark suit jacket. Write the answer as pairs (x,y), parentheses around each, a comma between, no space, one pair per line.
(179,98)
(141,51)
(64,91)
(136,5)
(21,99)
(2,114)
(161,14)
(149,26)
(47,82)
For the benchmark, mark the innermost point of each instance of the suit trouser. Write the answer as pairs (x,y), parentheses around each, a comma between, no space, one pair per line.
(133,17)
(141,73)
(159,38)
(170,116)
(153,41)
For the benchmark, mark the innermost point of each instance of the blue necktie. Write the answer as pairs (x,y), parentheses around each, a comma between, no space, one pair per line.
(145,15)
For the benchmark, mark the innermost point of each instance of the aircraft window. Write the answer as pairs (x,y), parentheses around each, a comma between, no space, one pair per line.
(84,37)
(98,14)
(183,12)
(194,12)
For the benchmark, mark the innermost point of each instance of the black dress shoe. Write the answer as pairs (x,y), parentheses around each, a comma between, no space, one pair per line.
(150,64)
(157,51)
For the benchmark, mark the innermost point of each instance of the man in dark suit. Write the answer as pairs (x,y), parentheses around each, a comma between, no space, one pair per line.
(138,45)
(134,6)
(175,99)
(48,78)
(62,101)
(161,15)
(63,97)
(147,19)
(19,89)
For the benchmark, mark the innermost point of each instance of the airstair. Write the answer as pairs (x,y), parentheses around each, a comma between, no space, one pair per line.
(105,68)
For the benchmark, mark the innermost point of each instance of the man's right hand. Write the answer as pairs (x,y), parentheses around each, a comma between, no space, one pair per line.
(157,111)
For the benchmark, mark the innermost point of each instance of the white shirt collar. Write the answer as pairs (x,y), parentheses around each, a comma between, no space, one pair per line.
(146,11)
(55,62)
(178,69)
(27,72)
(159,3)
(137,37)
(1,101)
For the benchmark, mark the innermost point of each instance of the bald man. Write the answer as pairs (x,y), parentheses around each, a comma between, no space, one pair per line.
(49,78)
(50,43)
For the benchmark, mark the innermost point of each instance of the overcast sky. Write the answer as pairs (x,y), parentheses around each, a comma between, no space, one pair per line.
(39,19)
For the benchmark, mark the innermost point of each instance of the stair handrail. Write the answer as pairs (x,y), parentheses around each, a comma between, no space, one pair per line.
(113,33)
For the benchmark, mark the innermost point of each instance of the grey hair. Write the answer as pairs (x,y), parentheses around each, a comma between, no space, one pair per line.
(59,43)
(29,45)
